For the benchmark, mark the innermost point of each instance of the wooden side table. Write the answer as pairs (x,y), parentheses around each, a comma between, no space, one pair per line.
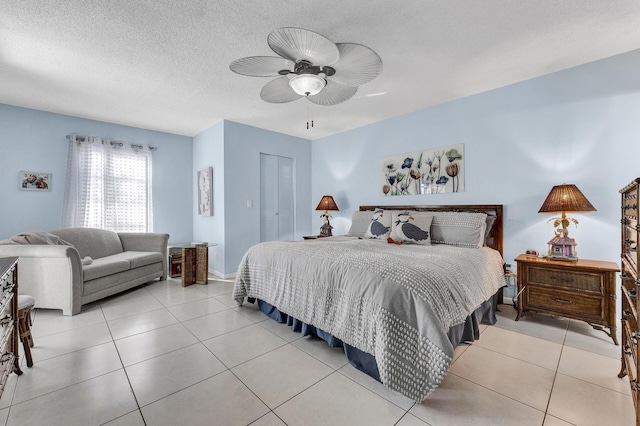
(195,265)
(584,290)
(194,262)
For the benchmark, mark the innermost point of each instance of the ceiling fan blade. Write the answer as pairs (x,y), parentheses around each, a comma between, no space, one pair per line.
(333,93)
(261,66)
(357,65)
(296,44)
(278,91)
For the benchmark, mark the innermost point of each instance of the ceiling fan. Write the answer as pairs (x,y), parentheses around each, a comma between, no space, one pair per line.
(312,66)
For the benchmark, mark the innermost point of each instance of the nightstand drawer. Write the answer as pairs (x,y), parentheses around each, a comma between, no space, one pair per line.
(564,302)
(579,280)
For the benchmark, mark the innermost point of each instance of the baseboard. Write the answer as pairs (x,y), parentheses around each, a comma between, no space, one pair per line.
(221,275)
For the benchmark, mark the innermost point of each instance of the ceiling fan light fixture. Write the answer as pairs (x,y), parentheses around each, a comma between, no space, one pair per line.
(307,84)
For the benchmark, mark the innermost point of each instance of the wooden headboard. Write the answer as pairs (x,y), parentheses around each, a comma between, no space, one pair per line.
(495,237)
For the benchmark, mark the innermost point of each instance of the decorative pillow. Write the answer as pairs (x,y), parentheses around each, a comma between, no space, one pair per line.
(412,228)
(380,225)
(393,237)
(359,223)
(491,220)
(460,229)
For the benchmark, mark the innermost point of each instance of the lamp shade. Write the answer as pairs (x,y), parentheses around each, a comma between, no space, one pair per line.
(307,84)
(566,198)
(327,204)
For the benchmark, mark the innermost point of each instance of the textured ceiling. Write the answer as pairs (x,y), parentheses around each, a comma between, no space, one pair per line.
(164,64)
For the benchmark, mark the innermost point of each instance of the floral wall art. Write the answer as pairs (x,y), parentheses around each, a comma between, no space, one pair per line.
(430,171)
(205,192)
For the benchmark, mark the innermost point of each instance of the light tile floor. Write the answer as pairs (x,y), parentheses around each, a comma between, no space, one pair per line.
(167,355)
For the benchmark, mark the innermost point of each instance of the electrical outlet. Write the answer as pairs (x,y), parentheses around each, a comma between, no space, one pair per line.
(215,256)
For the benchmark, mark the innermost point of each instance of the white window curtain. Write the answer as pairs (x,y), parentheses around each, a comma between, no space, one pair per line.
(108,185)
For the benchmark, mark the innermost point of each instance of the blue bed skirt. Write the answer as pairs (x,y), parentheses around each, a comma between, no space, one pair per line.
(466,332)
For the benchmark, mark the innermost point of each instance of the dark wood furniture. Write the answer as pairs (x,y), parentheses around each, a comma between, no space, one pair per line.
(25,305)
(195,265)
(584,290)
(629,289)
(191,260)
(8,319)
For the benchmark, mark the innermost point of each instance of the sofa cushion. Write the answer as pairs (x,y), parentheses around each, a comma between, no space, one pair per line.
(92,242)
(104,266)
(104,285)
(137,259)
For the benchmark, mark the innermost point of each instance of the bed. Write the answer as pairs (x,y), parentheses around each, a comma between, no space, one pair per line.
(397,309)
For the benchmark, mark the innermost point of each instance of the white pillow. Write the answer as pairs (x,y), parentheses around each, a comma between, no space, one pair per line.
(395,218)
(412,228)
(360,221)
(380,225)
(460,229)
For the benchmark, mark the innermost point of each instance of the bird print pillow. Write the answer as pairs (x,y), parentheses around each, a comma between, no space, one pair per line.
(412,228)
(380,225)
(395,220)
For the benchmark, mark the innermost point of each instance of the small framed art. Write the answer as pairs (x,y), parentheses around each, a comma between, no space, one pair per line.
(34,181)
(205,192)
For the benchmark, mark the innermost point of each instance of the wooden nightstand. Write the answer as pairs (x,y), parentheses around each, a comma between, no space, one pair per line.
(584,290)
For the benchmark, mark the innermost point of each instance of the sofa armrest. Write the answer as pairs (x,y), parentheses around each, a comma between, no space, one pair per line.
(39,250)
(52,274)
(147,241)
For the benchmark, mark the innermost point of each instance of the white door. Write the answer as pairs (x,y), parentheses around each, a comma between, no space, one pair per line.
(276,198)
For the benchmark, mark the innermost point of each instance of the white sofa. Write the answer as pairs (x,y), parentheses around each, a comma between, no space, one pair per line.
(58,278)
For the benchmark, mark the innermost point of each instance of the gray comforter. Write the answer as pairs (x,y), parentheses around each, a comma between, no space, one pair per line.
(394,302)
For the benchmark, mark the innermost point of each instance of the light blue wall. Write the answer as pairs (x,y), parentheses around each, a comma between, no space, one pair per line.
(577,126)
(33,140)
(208,151)
(242,147)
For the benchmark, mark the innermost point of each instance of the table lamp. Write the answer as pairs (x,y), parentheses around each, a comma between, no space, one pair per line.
(562,199)
(327,204)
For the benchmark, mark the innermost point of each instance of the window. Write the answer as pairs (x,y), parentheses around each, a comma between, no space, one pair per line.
(108,185)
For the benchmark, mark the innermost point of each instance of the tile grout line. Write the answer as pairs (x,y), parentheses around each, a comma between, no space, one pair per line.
(334,370)
(555,375)
(135,398)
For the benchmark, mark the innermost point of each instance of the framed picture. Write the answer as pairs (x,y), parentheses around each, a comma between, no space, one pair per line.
(430,171)
(205,192)
(34,181)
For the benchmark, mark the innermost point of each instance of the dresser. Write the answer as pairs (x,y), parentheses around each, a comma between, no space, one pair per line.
(584,290)
(629,289)
(8,319)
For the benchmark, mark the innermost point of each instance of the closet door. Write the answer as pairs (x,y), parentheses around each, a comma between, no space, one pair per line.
(276,198)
